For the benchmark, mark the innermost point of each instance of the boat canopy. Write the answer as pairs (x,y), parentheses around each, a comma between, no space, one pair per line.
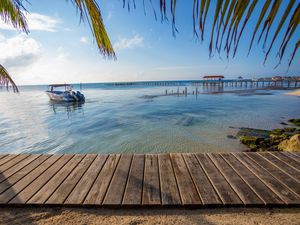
(67,86)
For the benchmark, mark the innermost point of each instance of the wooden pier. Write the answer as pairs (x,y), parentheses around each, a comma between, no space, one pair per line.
(161,180)
(293,83)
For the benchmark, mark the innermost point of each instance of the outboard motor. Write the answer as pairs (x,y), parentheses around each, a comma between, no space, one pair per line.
(80,96)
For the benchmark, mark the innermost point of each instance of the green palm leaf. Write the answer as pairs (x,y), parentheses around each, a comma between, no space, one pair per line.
(6,80)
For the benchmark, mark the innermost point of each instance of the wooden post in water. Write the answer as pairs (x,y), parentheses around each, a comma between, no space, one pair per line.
(185,91)
(196,91)
(166,92)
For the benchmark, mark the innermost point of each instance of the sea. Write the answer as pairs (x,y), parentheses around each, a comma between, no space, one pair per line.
(140,118)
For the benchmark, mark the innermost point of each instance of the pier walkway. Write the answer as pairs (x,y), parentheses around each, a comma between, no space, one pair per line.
(163,180)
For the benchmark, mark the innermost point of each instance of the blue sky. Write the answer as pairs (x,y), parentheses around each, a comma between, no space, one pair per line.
(60,49)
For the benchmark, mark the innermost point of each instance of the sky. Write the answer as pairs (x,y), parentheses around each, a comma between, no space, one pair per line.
(61,49)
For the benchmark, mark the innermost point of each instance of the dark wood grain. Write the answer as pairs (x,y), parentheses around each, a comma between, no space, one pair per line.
(288,160)
(205,189)
(4,185)
(15,189)
(168,184)
(284,178)
(151,186)
(291,171)
(224,190)
(9,172)
(62,192)
(267,195)
(134,188)
(54,163)
(187,189)
(115,192)
(101,184)
(245,193)
(81,190)
(283,192)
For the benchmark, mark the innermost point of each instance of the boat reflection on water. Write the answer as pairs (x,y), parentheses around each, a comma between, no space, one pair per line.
(66,107)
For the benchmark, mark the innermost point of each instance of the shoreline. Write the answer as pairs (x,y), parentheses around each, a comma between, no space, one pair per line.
(294,93)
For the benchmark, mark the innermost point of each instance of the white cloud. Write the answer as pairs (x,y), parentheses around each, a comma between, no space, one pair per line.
(62,54)
(36,21)
(84,40)
(19,51)
(109,15)
(129,43)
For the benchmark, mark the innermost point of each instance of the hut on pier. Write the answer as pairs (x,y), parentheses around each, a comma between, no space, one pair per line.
(213,77)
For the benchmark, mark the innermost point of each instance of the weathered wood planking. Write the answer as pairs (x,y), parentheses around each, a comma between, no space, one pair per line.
(121,180)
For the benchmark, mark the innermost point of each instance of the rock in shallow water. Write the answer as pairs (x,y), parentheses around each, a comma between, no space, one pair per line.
(292,144)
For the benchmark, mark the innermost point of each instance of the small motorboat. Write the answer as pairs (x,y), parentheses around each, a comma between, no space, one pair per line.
(66,95)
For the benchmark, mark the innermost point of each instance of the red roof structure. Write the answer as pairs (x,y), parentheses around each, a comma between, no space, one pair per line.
(211,77)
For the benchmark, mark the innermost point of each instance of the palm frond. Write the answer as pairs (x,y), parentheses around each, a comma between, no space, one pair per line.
(90,11)
(6,80)
(11,12)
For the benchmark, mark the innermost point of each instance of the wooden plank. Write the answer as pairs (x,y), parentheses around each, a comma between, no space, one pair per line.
(134,188)
(277,173)
(284,193)
(224,190)
(7,158)
(168,185)
(288,160)
(4,185)
(12,162)
(187,189)
(151,187)
(46,191)
(245,193)
(65,188)
(10,193)
(2,156)
(267,195)
(296,155)
(282,165)
(115,192)
(100,186)
(207,192)
(9,172)
(53,164)
(292,155)
(81,190)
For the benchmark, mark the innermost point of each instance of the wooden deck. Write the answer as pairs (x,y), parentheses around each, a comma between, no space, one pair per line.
(194,180)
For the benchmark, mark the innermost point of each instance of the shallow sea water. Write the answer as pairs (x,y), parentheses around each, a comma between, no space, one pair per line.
(137,119)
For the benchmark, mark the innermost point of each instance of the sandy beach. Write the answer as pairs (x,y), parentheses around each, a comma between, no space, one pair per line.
(295,93)
(72,216)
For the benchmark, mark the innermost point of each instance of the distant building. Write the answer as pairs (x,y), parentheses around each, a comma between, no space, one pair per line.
(240,78)
(213,77)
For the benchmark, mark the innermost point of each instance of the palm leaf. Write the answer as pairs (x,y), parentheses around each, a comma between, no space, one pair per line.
(283,19)
(6,80)
(11,12)
(90,11)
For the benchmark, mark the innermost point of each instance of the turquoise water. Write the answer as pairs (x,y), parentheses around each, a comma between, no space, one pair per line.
(137,119)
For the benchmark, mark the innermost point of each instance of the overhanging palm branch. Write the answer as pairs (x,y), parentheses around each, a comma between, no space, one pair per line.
(6,80)
(230,18)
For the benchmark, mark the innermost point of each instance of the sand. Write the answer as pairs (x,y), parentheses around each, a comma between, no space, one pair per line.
(78,216)
(296,92)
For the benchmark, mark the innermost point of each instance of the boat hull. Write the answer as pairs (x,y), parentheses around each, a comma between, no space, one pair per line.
(64,97)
